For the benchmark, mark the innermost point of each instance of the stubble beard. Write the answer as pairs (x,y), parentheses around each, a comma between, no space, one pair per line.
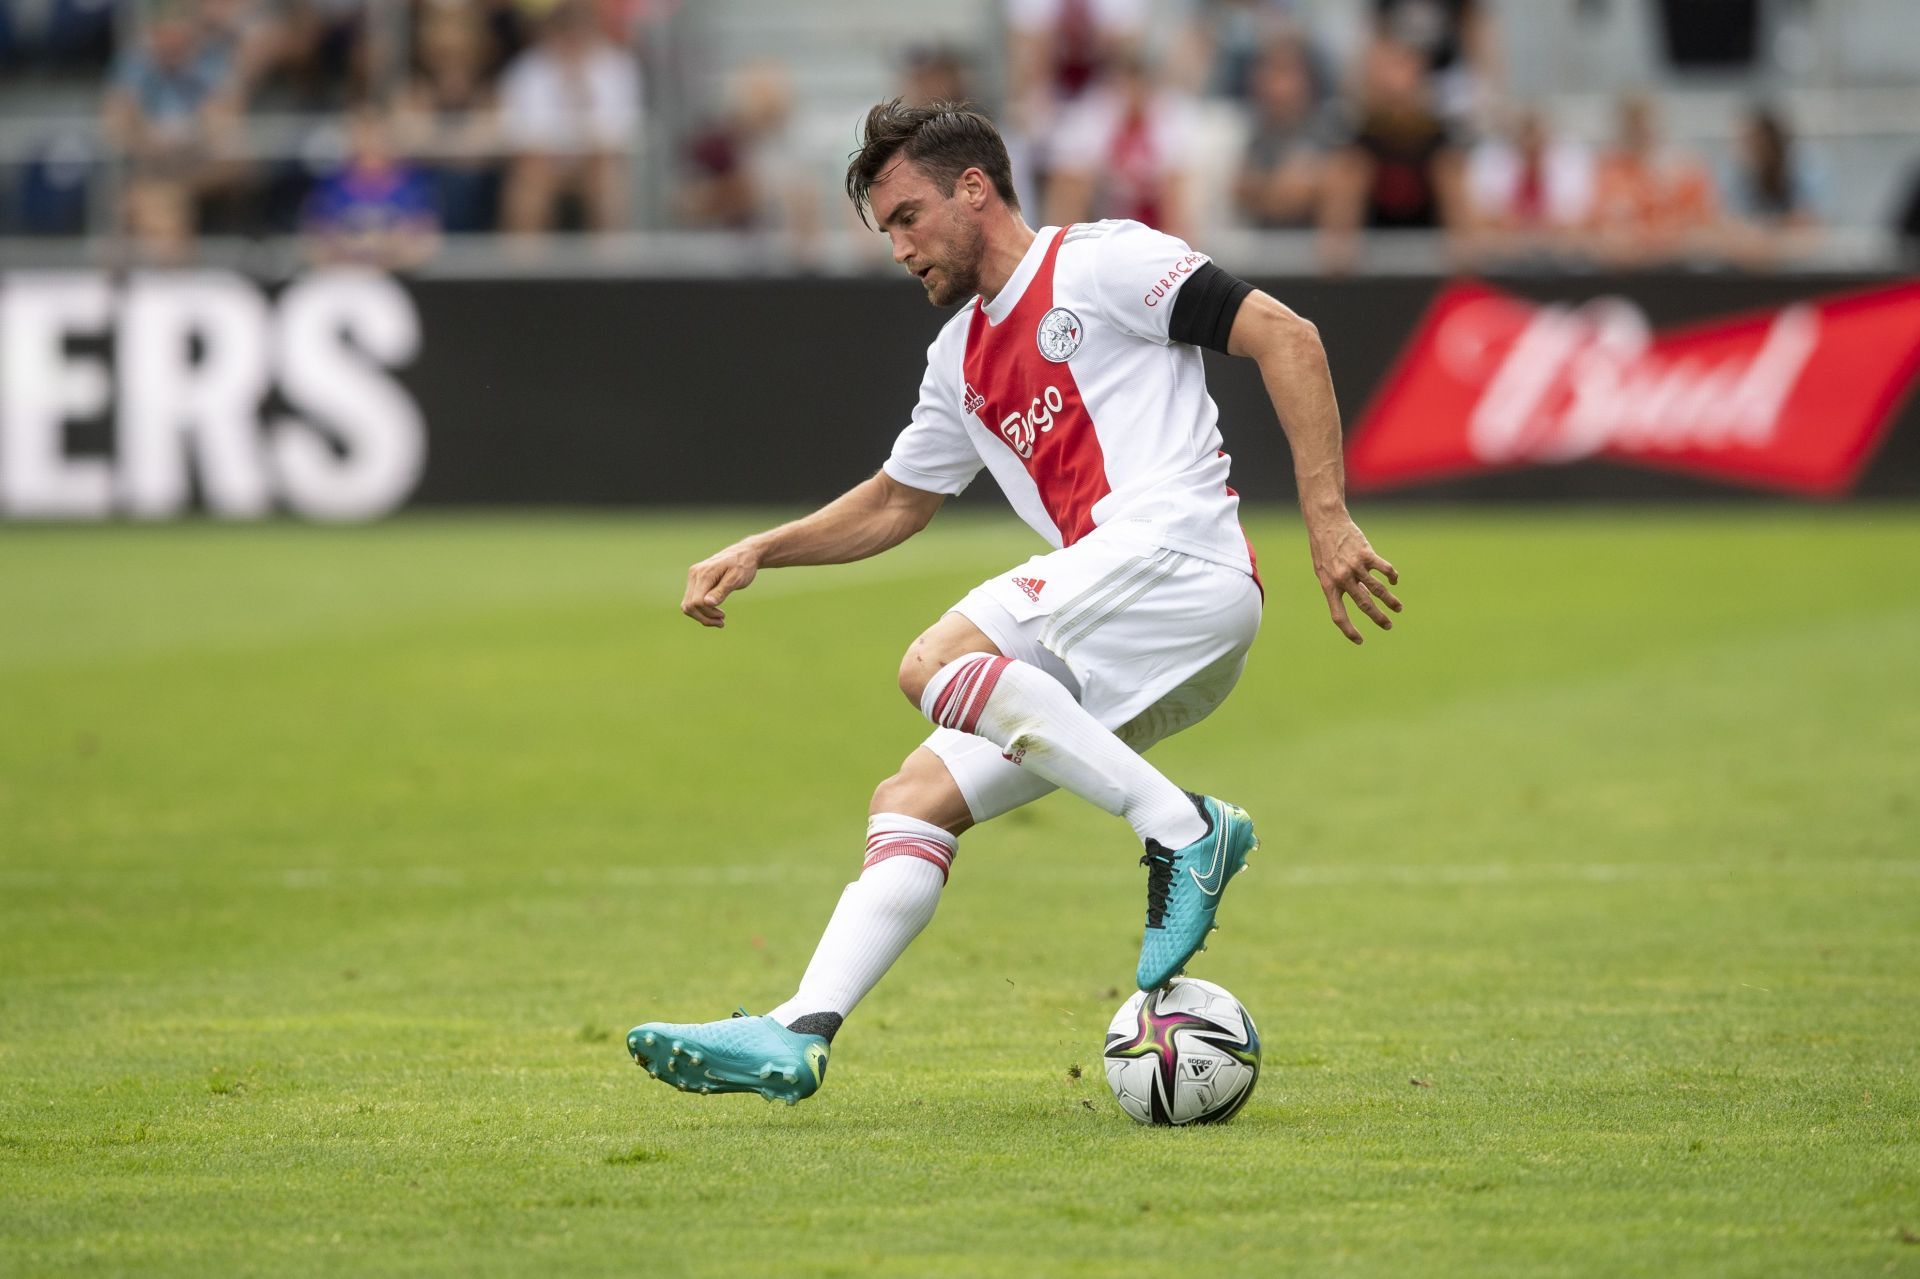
(960,272)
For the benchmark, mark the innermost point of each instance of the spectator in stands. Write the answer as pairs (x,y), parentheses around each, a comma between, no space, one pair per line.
(570,111)
(172,114)
(935,73)
(249,35)
(1278,183)
(1059,48)
(1458,50)
(742,174)
(634,24)
(1224,42)
(512,27)
(323,51)
(1771,195)
(1397,166)
(1651,204)
(1122,152)
(1528,194)
(174,92)
(1056,51)
(377,208)
(448,113)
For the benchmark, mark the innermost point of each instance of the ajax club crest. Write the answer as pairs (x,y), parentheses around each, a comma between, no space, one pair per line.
(1059,334)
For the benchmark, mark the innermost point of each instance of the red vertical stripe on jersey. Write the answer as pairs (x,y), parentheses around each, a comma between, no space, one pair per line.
(1056,445)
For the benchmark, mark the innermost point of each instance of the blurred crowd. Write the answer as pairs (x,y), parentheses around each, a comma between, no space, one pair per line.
(436,117)
(408,121)
(1414,132)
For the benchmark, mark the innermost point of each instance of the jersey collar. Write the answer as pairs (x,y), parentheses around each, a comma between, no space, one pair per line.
(1009,297)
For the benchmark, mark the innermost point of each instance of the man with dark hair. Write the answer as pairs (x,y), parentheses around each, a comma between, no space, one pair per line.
(1074,375)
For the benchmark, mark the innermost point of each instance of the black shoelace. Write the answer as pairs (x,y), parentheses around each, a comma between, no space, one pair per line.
(1159,864)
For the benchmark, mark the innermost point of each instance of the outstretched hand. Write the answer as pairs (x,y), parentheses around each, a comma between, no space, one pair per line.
(1345,564)
(716,577)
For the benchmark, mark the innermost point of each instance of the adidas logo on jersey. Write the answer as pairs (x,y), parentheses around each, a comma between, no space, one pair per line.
(973,401)
(1032,586)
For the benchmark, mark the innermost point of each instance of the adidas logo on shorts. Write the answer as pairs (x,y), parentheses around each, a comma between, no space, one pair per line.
(1032,586)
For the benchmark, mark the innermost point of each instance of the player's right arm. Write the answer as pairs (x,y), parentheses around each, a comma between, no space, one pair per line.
(872,516)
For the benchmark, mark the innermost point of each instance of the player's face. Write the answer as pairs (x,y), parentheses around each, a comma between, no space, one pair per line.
(934,234)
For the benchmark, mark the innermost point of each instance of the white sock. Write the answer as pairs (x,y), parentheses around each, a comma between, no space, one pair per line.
(878,915)
(1033,718)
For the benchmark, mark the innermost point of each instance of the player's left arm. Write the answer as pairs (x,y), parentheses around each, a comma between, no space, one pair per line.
(1213,309)
(1293,364)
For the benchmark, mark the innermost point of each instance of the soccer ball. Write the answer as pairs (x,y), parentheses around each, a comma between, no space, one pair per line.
(1186,1053)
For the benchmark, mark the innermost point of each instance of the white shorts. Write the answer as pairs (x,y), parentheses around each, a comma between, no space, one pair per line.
(1148,640)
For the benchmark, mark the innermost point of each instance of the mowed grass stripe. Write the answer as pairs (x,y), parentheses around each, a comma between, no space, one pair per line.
(1350,874)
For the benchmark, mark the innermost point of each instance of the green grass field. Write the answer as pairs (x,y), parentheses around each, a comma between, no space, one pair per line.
(334,865)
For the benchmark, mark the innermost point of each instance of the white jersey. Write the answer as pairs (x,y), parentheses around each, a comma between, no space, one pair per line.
(1068,389)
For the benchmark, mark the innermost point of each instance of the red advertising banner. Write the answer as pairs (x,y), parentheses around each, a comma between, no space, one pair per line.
(1794,399)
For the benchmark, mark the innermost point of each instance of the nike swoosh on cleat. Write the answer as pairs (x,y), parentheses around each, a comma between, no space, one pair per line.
(815,1055)
(1210,883)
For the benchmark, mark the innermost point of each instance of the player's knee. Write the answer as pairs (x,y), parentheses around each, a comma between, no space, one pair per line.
(890,794)
(912,679)
(918,668)
(947,640)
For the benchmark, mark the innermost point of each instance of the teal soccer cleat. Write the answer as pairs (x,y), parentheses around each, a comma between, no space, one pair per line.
(738,1054)
(1184,888)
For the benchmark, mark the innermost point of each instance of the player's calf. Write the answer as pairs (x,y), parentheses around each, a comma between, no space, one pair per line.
(925,789)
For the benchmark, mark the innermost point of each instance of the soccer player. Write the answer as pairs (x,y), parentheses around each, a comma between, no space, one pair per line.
(1072,372)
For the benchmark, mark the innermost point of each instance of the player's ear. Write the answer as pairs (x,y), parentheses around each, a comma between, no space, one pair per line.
(973,189)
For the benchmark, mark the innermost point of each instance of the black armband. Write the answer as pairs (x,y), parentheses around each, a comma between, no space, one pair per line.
(1204,308)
